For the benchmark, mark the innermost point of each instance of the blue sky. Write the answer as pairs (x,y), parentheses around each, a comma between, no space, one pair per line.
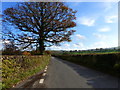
(97,25)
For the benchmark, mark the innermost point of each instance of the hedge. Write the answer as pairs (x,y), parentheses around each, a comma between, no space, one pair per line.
(107,63)
(18,68)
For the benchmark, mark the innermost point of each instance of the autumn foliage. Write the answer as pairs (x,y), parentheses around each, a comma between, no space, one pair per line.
(26,53)
(43,24)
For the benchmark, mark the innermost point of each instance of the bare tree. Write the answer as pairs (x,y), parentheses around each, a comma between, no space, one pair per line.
(42,23)
(9,48)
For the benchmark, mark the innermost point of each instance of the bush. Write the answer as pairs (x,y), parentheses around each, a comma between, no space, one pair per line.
(26,53)
(47,52)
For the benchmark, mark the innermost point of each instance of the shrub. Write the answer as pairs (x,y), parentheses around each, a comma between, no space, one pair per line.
(26,53)
(47,52)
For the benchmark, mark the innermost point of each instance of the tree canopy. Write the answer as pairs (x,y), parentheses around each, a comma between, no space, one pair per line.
(42,24)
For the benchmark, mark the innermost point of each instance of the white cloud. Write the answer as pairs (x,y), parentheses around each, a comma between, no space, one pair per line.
(56,48)
(29,37)
(111,19)
(0,41)
(66,45)
(109,5)
(103,44)
(6,41)
(80,36)
(99,44)
(100,36)
(78,45)
(49,39)
(110,0)
(86,21)
(63,47)
(81,46)
(104,29)
(75,4)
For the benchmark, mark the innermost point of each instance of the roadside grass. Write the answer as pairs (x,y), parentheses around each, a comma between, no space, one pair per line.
(18,68)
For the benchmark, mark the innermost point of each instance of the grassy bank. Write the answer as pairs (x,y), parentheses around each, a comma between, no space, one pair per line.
(18,68)
(107,63)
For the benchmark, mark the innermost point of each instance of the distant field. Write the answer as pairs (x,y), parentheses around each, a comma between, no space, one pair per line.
(83,53)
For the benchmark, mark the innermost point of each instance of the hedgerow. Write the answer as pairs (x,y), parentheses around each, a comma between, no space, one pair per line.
(18,68)
(107,63)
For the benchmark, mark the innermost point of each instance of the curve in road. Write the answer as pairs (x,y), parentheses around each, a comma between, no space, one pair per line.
(63,74)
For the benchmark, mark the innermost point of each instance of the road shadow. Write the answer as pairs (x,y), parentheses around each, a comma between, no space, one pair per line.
(93,77)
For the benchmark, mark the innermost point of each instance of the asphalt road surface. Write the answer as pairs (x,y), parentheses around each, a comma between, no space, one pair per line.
(63,74)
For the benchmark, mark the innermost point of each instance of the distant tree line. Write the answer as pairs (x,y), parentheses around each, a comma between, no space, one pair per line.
(9,48)
(96,50)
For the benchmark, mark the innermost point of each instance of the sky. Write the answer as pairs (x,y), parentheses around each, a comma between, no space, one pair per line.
(97,25)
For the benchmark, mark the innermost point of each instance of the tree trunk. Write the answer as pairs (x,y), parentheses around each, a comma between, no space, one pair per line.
(41,47)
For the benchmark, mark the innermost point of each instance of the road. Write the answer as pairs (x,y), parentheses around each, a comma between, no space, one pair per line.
(63,74)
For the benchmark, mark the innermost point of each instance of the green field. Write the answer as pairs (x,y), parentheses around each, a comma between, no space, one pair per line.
(86,52)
